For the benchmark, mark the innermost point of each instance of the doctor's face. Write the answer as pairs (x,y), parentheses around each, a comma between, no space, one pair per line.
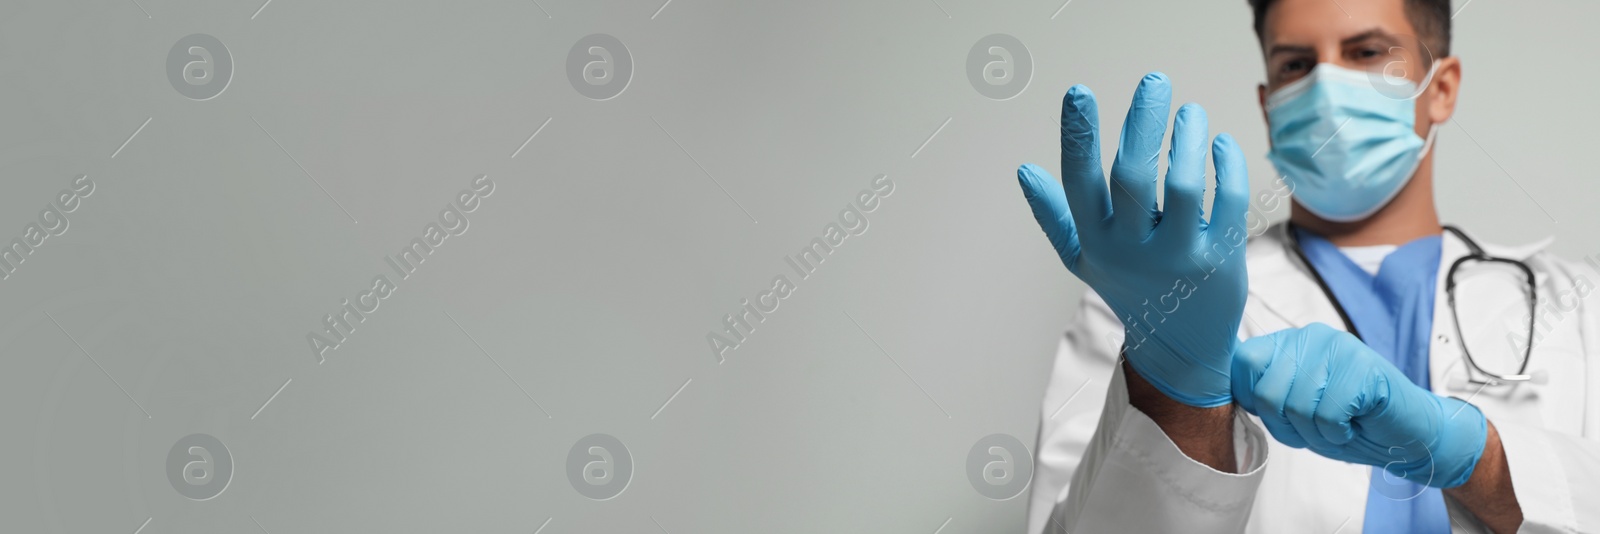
(1375,36)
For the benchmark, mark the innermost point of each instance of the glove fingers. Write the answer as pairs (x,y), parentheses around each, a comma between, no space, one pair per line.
(1282,431)
(1051,211)
(1306,395)
(1230,209)
(1182,212)
(1345,397)
(1082,174)
(1133,174)
(1270,395)
(1413,462)
(1250,361)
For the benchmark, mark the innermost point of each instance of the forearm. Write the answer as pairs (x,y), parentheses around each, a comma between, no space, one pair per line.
(1488,493)
(1203,434)
(1135,476)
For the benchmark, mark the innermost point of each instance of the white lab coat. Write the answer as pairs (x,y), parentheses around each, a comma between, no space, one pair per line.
(1103,466)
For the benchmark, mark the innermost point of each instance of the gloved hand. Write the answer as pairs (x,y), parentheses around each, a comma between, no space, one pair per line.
(1324,389)
(1176,281)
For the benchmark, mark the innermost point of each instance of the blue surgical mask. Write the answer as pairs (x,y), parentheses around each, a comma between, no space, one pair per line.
(1345,146)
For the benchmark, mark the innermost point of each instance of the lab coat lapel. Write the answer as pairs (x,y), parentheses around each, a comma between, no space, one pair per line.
(1444,350)
(1284,287)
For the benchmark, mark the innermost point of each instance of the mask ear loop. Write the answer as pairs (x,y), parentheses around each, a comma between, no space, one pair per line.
(1433,129)
(1427,144)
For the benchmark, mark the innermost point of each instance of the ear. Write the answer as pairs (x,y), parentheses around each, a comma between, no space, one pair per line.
(1441,104)
(1261,100)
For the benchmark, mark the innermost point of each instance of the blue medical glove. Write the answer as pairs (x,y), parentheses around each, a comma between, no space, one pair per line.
(1323,389)
(1175,280)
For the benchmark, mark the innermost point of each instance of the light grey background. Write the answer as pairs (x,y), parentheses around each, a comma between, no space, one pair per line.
(614,241)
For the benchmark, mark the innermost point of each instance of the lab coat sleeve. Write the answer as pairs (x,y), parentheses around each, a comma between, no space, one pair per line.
(1103,466)
(1556,477)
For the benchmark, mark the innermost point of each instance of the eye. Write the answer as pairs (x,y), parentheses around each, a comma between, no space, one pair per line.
(1289,70)
(1371,54)
(1294,66)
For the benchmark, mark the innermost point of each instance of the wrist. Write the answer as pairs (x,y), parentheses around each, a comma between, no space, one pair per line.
(1488,492)
(1205,435)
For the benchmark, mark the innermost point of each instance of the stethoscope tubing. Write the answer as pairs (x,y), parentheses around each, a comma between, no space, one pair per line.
(1475,253)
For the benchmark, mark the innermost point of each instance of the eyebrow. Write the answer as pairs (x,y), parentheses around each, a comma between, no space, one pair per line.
(1373,33)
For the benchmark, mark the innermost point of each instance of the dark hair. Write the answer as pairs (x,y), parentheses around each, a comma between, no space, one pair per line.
(1431,18)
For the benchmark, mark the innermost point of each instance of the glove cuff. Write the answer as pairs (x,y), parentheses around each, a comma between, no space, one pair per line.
(1462,437)
(1179,379)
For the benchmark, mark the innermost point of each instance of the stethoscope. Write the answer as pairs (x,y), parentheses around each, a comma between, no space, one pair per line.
(1475,253)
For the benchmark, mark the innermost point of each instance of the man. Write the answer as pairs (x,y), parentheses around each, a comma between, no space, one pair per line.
(1358,316)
